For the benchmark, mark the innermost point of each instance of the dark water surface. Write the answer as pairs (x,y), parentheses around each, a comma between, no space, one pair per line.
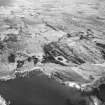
(101,92)
(37,90)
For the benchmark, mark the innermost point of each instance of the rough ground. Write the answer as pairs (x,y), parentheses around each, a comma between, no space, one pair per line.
(65,39)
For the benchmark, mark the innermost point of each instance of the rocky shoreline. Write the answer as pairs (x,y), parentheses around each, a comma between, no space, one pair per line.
(64,46)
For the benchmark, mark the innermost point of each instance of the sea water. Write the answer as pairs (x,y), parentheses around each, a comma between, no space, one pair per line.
(6,2)
(36,89)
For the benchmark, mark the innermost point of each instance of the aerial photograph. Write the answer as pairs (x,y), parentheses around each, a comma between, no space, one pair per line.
(52,52)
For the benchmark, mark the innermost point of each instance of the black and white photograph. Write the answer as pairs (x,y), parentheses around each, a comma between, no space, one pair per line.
(52,52)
